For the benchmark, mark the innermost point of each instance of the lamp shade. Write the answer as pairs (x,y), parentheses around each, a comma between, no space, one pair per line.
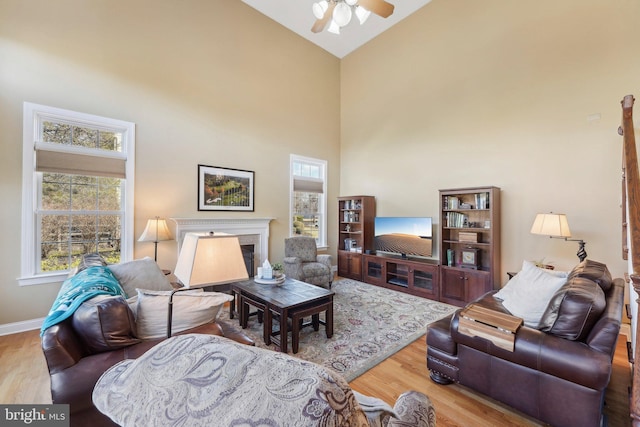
(362,14)
(155,231)
(333,27)
(210,259)
(551,224)
(320,8)
(342,14)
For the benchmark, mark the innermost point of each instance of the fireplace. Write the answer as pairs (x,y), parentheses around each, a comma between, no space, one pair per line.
(253,234)
(248,254)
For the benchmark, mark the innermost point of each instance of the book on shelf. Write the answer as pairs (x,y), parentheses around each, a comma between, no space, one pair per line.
(450,202)
(482,200)
(456,220)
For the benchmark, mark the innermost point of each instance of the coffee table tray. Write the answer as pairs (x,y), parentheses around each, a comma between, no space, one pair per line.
(277,281)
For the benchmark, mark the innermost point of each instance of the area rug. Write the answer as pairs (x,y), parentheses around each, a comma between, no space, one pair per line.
(370,324)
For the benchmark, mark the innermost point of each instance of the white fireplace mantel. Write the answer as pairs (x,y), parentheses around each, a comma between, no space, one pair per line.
(249,230)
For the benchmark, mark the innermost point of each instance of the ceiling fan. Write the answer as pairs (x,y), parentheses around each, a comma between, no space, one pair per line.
(339,12)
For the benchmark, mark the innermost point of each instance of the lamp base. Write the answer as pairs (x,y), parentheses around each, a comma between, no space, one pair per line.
(582,253)
(170,309)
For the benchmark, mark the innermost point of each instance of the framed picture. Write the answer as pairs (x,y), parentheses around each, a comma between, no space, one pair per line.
(223,189)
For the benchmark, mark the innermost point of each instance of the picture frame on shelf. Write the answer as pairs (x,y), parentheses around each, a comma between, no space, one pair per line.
(225,189)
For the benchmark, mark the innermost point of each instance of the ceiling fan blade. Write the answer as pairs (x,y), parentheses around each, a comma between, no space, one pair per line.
(319,25)
(379,7)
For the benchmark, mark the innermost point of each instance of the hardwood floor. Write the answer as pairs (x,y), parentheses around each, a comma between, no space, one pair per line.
(24,379)
(23,370)
(459,406)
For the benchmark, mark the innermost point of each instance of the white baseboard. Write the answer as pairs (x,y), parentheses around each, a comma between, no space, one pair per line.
(27,325)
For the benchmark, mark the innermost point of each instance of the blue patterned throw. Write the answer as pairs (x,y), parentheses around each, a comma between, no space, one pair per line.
(77,289)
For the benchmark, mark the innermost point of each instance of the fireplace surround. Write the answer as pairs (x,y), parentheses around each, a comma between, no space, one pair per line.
(250,231)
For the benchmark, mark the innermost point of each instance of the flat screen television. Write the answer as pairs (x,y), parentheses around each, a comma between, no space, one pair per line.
(407,236)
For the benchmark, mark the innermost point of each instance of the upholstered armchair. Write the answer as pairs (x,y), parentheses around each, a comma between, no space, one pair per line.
(303,263)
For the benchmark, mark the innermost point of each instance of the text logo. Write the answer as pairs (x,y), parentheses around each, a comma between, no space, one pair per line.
(54,415)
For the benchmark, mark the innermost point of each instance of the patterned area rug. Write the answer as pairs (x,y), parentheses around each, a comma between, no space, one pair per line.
(370,324)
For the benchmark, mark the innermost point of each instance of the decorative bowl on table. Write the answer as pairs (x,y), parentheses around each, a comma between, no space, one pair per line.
(276,280)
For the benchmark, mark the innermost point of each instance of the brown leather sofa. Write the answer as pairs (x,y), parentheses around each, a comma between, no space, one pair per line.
(558,375)
(81,348)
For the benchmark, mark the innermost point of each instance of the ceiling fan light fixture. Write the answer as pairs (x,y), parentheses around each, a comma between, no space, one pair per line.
(333,27)
(362,14)
(319,8)
(338,13)
(342,14)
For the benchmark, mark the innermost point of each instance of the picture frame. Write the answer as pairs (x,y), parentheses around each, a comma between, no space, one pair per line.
(225,189)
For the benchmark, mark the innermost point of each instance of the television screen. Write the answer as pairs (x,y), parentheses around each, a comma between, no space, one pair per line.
(404,235)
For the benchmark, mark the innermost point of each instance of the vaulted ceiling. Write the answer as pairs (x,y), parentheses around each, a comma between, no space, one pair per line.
(297,16)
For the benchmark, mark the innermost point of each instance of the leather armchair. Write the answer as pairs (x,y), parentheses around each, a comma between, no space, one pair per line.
(303,263)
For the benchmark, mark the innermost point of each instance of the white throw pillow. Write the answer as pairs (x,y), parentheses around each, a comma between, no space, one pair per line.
(528,293)
(190,309)
(140,274)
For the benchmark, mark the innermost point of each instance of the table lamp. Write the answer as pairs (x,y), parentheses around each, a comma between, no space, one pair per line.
(557,226)
(207,259)
(156,231)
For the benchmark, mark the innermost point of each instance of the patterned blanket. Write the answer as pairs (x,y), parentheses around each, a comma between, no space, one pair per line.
(77,289)
(204,380)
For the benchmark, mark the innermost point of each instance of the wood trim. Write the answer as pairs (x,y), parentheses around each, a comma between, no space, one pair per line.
(631,231)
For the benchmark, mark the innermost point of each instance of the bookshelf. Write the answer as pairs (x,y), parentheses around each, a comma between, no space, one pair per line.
(469,243)
(356,216)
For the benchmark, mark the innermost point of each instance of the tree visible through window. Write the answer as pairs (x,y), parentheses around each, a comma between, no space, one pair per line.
(308,201)
(69,229)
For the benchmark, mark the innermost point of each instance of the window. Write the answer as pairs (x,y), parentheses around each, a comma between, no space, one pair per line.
(308,200)
(77,191)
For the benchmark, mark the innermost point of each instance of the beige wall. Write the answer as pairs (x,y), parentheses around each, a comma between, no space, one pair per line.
(462,93)
(205,81)
(493,92)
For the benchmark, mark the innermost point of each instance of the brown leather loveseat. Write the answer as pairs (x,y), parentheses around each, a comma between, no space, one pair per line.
(557,373)
(104,330)
(75,366)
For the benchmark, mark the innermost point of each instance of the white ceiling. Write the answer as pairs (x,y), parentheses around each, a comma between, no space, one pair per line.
(296,15)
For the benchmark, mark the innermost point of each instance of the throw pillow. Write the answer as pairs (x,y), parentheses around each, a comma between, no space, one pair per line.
(105,323)
(528,293)
(574,309)
(88,283)
(88,260)
(140,274)
(190,309)
(593,270)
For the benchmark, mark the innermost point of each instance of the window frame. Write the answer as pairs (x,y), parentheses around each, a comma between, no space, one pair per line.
(33,116)
(323,164)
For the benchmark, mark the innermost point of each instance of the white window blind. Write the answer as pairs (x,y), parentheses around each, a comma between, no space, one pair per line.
(78,162)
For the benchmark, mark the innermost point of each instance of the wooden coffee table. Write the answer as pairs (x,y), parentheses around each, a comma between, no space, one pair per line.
(293,299)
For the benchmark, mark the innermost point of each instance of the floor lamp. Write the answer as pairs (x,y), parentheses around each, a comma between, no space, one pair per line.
(207,259)
(557,226)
